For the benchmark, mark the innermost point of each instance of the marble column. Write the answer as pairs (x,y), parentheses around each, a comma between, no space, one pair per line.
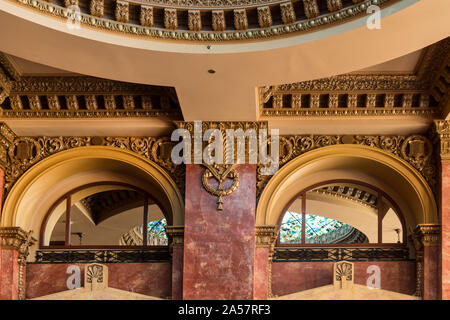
(444,213)
(219,250)
(442,134)
(14,244)
(176,243)
(427,251)
(265,242)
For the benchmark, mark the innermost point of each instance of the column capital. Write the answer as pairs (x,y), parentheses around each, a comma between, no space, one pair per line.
(15,237)
(176,236)
(441,132)
(427,235)
(265,236)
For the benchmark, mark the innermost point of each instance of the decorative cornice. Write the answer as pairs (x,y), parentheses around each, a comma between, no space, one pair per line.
(176,236)
(87,97)
(92,14)
(349,95)
(266,236)
(428,234)
(426,92)
(417,150)
(223,125)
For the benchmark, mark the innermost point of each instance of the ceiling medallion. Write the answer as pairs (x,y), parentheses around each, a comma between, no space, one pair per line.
(220,173)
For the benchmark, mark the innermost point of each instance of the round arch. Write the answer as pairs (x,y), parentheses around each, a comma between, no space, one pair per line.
(379,168)
(39,187)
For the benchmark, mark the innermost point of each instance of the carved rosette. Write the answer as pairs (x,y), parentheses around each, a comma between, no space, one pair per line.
(146,16)
(287,13)
(194,20)
(96,8)
(334,5)
(170,19)
(218,20)
(311,8)
(264,17)
(240,19)
(122,11)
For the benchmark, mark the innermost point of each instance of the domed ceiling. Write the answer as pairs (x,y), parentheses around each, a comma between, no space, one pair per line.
(207,20)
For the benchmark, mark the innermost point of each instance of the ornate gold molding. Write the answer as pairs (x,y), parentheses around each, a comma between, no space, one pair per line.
(441,133)
(87,97)
(18,154)
(14,238)
(426,92)
(17,239)
(428,235)
(266,236)
(93,14)
(221,173)
(176,236)
(417,150)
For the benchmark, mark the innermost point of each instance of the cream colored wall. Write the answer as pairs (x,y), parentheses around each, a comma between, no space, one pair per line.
(240,68)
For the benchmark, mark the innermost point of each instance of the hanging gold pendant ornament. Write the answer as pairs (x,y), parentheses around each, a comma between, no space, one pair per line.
(220,173)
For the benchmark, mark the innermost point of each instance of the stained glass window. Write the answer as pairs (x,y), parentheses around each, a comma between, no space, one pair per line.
(317,229)
(156,232)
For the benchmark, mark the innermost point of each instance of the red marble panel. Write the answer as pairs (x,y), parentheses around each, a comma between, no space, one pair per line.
(444,265)
(219,245)
(177,274)
(261,274)
(430,273)
(290,277)
(153,279)
(9,274)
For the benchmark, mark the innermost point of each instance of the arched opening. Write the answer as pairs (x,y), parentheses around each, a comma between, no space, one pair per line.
(353,189)
(374,167)
(104,214)
(341,212)
(89,173)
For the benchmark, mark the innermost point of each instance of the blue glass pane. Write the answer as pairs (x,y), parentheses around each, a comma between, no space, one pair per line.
(317,229)
(156,232)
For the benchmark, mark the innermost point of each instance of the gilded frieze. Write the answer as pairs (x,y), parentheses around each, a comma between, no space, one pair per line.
(131,18)
(417,150)
(18,154)
(86,97)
